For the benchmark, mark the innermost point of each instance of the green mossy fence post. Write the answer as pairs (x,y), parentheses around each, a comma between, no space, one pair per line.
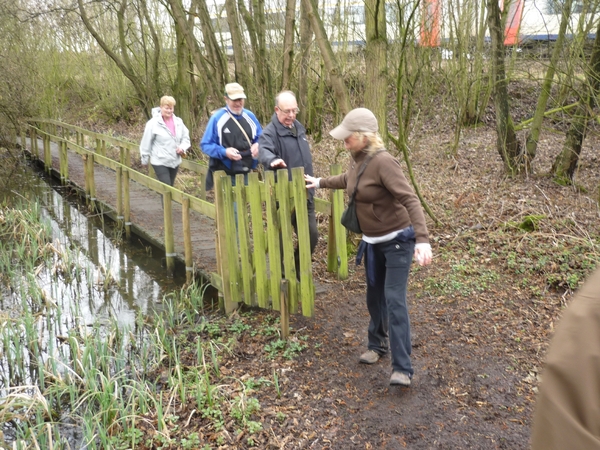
(285,217)
(273,237)
(307,286)
(48,156)
(227,241)
(284,291)
(91,180)
(168,220)
(337,251)
(126,204)
(63,159)
(244,240)
(187,239)
(261,282)
(120,224)
(32,139)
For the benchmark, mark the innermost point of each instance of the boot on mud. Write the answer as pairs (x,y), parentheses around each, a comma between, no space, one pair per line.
(369,357)
(400,379)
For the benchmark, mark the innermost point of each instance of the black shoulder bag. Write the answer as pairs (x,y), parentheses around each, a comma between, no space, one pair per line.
(349,218)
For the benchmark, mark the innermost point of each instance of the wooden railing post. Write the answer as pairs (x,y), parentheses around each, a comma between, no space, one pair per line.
(227,256)
(273,236)
(261,281)
(126,204)
(337,252)
(244,240)
(92,181)
(187,239)
(48,154)
(34,142)
(119,196)
(284,292)
(64,162)
(169,241)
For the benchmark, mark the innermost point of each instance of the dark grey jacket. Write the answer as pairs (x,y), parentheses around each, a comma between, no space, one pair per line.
(277,141)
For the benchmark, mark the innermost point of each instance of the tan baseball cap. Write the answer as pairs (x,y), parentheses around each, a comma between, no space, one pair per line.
(234,91)
(359,119)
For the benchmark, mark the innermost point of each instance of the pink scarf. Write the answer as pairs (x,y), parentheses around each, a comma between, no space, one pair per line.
(170,123)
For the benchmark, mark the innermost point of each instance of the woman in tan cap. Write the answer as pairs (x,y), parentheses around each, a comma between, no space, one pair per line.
(393,229)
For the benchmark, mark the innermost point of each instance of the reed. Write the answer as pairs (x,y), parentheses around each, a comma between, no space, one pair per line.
(57,372)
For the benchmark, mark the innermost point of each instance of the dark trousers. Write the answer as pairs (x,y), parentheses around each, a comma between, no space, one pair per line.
(387,278)
(165,174)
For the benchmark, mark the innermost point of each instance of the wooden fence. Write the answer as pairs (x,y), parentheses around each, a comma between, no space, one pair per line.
(254,239)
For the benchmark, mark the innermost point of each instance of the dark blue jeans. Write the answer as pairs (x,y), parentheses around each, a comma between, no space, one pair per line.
(387,268)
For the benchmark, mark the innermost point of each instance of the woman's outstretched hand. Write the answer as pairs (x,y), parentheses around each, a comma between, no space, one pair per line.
(311,182)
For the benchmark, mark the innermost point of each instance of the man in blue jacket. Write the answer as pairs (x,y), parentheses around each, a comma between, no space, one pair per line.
(283,144)
(231,137)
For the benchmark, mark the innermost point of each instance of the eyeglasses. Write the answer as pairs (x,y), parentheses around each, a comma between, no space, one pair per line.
(287,112)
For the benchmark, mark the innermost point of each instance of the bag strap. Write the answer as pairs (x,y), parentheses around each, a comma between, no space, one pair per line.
(239,125)
(360,172)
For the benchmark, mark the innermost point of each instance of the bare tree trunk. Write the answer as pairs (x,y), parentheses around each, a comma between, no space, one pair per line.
(565,164)
(538,118)
(185,27)
(288,44)
(255,24)
(242,74)
(182,89)
(303,85)
(154,71)
(406,78)
(376,88)
(341,93)
(507,144)
(216,58)
(142,87)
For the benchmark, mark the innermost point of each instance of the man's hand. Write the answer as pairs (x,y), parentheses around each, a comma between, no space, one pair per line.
(254,150)
(233,154)
(278,163)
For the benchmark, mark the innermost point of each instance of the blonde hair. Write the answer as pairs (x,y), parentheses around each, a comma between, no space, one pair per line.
(167,100)
(373,141)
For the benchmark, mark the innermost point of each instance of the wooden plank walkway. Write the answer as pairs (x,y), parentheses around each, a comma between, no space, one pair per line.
(147,218)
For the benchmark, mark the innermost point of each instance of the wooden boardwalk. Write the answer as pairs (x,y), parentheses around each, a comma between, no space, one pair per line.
(147,218)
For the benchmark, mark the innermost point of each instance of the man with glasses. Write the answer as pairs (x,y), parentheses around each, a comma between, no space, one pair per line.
(231,137)
(283,144)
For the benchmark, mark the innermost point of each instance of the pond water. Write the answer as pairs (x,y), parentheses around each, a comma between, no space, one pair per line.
(92,275)
(121,278)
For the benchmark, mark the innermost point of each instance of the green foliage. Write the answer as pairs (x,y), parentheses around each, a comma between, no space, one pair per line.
(528,223)
(288,349)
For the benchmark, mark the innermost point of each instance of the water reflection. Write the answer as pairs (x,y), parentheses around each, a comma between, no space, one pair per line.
(118,278)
